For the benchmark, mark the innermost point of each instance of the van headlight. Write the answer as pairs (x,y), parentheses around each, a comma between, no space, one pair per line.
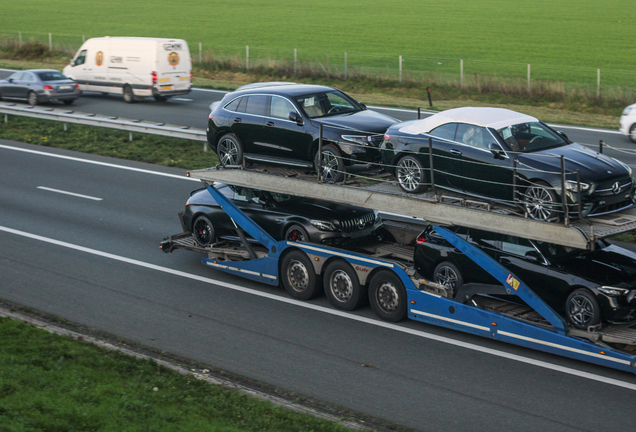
(323,225)
(613,291)
(571,185)
(630,109)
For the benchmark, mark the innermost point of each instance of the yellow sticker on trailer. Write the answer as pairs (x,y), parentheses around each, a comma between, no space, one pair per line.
(513,282)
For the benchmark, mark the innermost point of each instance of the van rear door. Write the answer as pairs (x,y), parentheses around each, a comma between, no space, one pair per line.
(173,67)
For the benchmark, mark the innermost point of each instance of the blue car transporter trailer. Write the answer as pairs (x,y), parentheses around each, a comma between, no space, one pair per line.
(394,295)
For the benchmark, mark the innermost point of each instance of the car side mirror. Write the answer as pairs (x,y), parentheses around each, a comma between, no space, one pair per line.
(497,151)
(295,117)
(563,135)
(364,107)
(533,256)
(10,80)
(72,62)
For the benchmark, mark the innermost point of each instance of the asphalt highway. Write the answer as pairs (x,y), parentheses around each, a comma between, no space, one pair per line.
(80,236)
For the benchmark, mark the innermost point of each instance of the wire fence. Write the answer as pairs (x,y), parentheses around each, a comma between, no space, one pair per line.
(511,77)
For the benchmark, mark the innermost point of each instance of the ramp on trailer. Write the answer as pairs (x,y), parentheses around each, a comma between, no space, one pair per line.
(580,234)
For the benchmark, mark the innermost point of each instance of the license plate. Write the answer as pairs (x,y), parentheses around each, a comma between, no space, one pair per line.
(65,87)
(166,87)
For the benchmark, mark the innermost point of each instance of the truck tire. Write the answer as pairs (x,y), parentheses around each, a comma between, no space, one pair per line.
(203,231)
(342,286)
(387,296)
(582,309)
(129,96)
(298,275)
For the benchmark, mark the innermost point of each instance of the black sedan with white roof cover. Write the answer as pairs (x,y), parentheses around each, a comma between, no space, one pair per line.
(281,123)
(282,216)
(508,157)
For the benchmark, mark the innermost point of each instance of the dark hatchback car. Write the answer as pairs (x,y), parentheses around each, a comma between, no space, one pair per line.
(282,216)
(39,86)
(474,152)
(280,124)
(587,287)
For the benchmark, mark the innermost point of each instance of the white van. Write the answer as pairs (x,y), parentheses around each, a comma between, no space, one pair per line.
(134,67)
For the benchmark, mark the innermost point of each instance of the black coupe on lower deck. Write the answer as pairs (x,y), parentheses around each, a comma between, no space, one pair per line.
(282,216)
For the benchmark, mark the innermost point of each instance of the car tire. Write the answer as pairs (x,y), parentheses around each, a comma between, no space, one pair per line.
(447,274)
(332,165)
(32,98)
(342,286)
(410,175)
(296,233)
(540,202)
(387,296)
(127,93)
(298,276)
(230,150)
(582,309)
(632,133)
(203,231)
(69,102)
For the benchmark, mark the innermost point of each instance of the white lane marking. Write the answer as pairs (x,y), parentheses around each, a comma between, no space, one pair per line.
(183,99)
(616,132)
(334,312)
(69,193)
(183,177)
(212,90)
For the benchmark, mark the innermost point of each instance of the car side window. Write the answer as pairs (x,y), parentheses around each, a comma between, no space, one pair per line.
(81,58)
(28,77)
(280,107)
(232,106)
(516,245)
(472,135)
(257,105)
(446,131)
(245,195)
(484,239)
(17,76)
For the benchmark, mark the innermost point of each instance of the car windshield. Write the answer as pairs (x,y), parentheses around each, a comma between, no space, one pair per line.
(51,76)
(327,104)
(530,137)
(279,197)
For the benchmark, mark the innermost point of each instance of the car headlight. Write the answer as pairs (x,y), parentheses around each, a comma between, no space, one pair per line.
(629,109)
(613,291)
(571,185)
(358,139)
(323,225)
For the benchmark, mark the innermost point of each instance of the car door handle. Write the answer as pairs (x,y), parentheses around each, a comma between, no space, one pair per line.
(270,124)
(237,120)
(505,260)
(455,152)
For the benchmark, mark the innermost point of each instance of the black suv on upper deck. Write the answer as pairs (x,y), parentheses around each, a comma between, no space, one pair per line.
(280,124)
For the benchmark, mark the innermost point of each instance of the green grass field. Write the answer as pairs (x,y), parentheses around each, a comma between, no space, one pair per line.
(564,41)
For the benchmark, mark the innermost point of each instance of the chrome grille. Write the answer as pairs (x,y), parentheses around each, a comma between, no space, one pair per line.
(608,189)
(358,223)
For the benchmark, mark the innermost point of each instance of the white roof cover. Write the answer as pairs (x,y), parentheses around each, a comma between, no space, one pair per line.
(496,118)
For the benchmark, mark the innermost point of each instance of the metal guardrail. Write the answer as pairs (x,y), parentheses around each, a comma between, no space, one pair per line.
(112,122)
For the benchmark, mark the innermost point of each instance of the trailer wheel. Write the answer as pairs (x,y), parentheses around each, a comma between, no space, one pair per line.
(447,273)
(342,286)
(299,277)
(387,296)
(129,96)
(296,233)
(582,310)
(203,231)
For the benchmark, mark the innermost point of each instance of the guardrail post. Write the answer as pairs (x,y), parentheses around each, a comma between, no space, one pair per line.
(6,118)
(129,136)
(564,198)
(65,126)
(319,159)
(600,146)
(430,163)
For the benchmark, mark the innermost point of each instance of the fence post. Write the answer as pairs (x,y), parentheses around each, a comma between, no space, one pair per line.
(319,159)
(20,38)
(419,113)
(600,146)
(345,65)
(400,69)
(83,38)
(461,73)
(598,83)
(528,77)
(200,53)
(295,61)
(50,42)
(430,163)
(247,57)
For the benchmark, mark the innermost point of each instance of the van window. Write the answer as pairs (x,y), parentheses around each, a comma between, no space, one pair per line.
(257,105)
(81,58)
(280,107)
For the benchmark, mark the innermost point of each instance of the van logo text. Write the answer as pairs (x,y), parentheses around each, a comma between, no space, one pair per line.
(116,59)
(172,47)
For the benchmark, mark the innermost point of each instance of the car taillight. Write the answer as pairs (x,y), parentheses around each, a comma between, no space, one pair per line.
(48,87)
(420,239)
(387,137)
(211,116)
(154,77)
(77,86)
